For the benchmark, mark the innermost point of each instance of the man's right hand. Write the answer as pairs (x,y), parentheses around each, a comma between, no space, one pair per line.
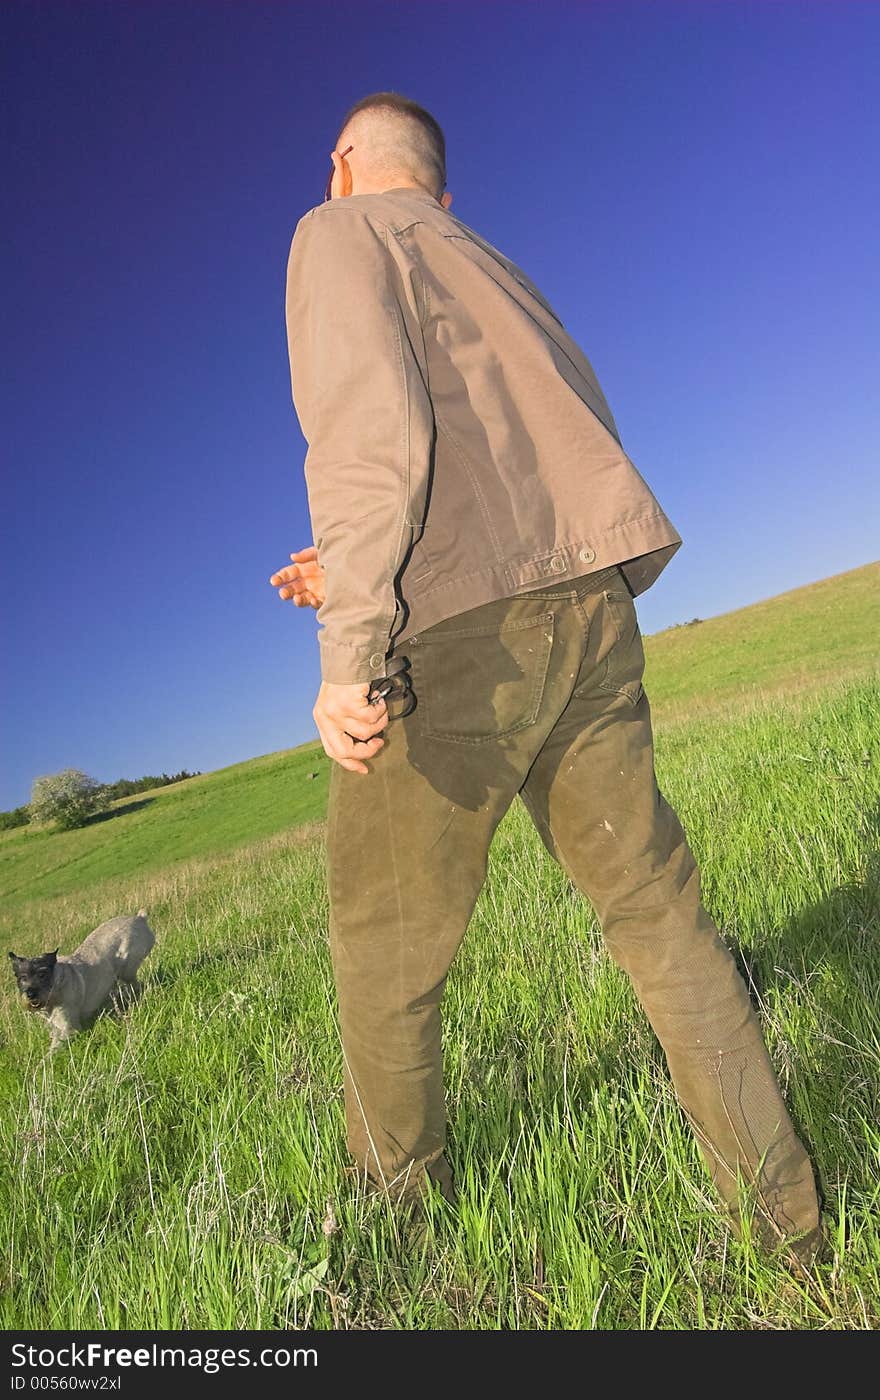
(303,580)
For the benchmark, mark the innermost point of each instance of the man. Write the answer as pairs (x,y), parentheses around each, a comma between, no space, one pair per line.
(480,535)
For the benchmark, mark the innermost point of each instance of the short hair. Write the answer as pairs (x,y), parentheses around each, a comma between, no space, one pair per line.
(411,140)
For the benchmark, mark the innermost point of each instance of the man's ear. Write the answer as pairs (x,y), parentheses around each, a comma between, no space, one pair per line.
(446,199)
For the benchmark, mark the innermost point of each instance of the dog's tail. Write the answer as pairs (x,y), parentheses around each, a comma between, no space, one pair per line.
(142,913)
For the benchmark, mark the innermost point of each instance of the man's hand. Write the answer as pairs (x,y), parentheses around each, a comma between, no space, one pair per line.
(303,580)
(341,712)
(343,716)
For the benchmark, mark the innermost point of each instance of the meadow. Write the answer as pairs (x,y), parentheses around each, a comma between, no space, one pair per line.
(182,1165)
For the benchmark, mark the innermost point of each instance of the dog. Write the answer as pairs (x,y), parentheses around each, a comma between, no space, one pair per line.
(69,990)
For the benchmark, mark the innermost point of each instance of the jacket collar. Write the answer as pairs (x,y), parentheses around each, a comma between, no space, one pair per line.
(414,192)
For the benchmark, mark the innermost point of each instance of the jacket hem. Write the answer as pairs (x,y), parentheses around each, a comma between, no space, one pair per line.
(641,547)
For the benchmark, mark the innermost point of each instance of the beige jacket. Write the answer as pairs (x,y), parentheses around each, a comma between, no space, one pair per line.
(460,448)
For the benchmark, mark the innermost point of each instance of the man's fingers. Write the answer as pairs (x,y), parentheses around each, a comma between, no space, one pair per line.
(291,584)
(285,575)
(308,561)
(365,747)
(367,713)
(304,569)
(360,726)
(352,736)
(363,732)
(335,748)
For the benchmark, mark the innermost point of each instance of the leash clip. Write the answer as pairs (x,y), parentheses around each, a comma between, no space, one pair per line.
(394,683)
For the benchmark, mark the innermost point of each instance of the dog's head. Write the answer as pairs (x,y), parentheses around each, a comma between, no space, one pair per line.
(34,977)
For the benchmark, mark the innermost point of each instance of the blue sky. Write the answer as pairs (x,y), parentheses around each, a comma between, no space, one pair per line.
(692,185)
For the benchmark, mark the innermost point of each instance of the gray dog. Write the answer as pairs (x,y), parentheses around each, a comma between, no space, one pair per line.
(68,990)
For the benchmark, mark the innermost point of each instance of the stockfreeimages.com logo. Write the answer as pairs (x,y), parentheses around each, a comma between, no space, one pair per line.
(207,1359)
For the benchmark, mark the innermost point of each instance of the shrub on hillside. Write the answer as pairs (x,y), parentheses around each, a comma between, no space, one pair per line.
(124,787)
(68,798)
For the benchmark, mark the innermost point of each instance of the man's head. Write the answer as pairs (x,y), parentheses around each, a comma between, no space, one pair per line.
(393,142)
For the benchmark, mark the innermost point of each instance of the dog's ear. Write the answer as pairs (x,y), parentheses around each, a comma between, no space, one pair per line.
(14,956)
(52,958)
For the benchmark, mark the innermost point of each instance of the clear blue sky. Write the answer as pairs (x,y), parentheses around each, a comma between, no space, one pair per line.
(694,186)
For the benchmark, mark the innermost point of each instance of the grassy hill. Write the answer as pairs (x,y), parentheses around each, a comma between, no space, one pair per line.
(793,643)
(186,1161)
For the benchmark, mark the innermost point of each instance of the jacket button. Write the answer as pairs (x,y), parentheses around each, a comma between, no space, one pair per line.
(377,660)
(557,564)
(587,554)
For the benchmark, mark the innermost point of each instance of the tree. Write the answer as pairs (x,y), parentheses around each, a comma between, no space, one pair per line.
(69,798)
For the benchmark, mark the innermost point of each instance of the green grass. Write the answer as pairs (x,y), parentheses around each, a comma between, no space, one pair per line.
(793,643)
(184,1165)
(203,816)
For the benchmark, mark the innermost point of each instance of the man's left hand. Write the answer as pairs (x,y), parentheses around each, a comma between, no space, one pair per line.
(343,717)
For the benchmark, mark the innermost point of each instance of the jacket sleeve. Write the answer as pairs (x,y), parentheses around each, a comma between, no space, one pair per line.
(359,387)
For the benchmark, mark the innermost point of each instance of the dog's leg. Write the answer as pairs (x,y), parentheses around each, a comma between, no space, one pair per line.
(126,991)
(63,1026)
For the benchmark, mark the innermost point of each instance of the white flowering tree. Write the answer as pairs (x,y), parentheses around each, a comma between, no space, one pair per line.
(68,798)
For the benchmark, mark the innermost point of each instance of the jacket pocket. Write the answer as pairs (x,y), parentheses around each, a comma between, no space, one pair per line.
(625,661)
(477,684)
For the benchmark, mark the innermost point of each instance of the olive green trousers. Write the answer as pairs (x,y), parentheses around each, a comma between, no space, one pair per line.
(538,694)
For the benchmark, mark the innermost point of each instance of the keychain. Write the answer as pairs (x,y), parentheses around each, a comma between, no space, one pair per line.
(394,682)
